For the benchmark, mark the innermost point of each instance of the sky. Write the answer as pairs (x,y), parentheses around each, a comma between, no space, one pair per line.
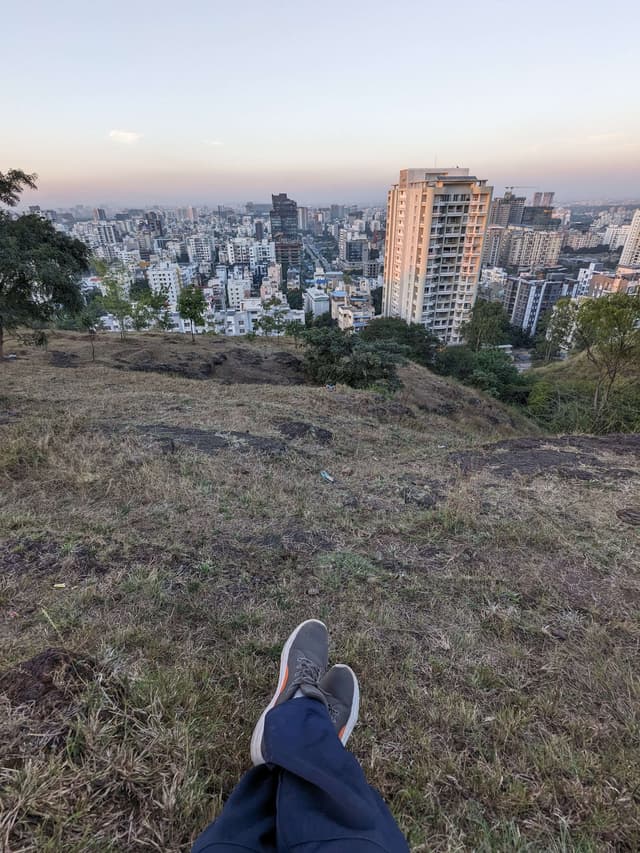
(209,102)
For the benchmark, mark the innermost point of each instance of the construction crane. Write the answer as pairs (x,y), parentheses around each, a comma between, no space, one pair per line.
(521,187)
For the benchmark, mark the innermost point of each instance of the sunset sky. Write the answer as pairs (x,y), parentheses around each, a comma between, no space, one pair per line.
(210,102)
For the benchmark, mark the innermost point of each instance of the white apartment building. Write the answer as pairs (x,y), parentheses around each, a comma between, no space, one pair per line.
(316,301)
(166,277)
(200,249)
(238,289)
(615,236)
(631,252)
(528,247)
(436,221)
(585,274)
(250,253)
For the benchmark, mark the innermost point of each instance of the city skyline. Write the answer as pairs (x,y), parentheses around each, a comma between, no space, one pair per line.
(199,105)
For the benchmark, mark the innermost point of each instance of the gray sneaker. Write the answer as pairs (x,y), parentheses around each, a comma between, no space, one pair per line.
(303,662)
(341,694)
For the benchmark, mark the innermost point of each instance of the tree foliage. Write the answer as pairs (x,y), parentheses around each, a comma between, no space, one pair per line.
(491,370)
(40,267)
(556,329)
(191,307)
(115,300)
(334,356)
(12,183)
(420,345)
(488,325)
(608,329)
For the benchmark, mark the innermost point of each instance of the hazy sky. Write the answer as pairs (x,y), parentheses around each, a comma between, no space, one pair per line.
(203,101)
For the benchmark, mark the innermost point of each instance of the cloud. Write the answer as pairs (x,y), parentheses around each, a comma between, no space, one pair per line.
(125,137)
(213,142)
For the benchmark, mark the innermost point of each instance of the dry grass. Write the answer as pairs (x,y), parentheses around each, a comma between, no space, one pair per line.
(494,628)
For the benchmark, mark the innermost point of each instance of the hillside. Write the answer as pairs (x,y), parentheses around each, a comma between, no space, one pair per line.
(164,524)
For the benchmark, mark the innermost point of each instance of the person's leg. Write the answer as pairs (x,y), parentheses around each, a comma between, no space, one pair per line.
(248,820)
(323,802)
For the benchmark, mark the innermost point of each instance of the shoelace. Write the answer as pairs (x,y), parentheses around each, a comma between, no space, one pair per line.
(307,672)
(333,713)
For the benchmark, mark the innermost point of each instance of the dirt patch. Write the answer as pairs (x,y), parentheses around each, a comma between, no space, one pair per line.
(211,441)
(300,429)
(236,365)
(58,358)
(49,680)
(45,556)
(570,457)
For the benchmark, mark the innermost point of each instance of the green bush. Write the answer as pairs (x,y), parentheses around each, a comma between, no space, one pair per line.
(334,356)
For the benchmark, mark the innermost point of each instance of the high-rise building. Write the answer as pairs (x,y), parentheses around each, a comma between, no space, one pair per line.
(529,248)
(199,249)
(166,278)
(631,251)
(99,214)
(284,231)
(544,199)
(284,217)
(507,210)
(259,229)
(303,218)
(436,221)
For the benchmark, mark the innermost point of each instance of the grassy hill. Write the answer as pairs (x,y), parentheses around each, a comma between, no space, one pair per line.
(164,524)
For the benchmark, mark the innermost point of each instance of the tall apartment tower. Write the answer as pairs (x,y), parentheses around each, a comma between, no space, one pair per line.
(284,231)
(631,252)
(543,199)
(436,222)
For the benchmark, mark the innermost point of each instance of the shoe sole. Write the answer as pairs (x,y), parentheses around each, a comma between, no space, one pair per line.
(345,732)
(256,738)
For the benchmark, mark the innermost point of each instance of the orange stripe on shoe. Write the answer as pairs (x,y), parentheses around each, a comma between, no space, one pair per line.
(284,680)
(341,732)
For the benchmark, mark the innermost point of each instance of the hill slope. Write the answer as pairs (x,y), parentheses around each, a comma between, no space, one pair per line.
(161,535)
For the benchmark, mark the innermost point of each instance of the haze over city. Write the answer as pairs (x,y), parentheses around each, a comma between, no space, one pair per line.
(202,103)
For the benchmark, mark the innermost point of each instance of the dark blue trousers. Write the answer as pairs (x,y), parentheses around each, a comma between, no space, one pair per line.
(311,797)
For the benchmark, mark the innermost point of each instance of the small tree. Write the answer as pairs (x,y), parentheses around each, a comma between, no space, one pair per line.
(295,299)
(191,306)
(420,344)
(556,330)
(39,266)
(488,326)
(609,330)
(294,329)
(116,302)
(266,324)
(90,320)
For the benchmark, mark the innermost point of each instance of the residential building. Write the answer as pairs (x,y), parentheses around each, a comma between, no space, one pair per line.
(303,219)
(284,231)
(166,277)
(238,289)
(199,249)
(535,296)
(530,248)
(507,210)
(631,251)
(352,318)
(539,217)
(544,199)
(615,236)
(585,274)
(577,240)
(436,221)
(491,250)
(316,301)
